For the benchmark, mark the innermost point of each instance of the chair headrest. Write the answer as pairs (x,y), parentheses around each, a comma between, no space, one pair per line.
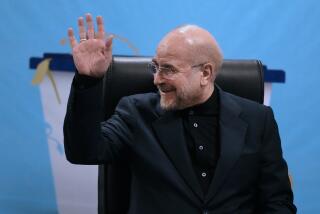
(128,75)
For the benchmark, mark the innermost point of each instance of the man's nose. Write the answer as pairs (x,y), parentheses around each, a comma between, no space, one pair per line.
(157,79)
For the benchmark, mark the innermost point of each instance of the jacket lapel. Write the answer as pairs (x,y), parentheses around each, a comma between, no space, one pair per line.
(232,138)
(169,130)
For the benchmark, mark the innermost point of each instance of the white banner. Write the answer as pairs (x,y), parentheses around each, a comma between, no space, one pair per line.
(75,185)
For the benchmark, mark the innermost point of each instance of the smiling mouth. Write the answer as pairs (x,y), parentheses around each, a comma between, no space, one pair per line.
(166,89)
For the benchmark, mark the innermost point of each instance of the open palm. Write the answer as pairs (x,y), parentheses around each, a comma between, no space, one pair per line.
(92,55)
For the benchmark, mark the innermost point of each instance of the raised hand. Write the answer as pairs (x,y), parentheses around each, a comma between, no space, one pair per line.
(92,55)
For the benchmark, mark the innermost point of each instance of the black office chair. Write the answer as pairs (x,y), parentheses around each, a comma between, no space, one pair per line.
(128,75)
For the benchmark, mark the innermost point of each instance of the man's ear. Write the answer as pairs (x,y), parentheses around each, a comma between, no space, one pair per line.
(208,74)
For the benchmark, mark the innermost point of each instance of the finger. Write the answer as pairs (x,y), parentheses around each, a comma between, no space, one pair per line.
(82,29)
(109,42)
(90,31)
(101,33)
(72,38)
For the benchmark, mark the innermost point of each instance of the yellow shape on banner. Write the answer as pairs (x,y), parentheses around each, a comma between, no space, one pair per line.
(41,71)
(134,49)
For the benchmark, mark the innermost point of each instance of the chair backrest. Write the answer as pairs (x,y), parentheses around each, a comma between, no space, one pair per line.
(128,75)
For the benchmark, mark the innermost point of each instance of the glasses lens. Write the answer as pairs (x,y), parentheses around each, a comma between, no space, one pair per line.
(166,72)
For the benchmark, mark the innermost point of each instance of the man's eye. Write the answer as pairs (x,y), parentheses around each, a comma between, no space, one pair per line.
(163,70)
(173,70)
(170,70)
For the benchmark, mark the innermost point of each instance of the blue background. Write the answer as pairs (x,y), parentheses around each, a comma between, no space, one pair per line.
(283,34)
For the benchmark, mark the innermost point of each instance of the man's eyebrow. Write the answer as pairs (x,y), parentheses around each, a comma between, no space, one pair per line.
(167,65)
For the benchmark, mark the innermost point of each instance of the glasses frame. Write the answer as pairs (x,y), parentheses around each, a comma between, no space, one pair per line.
(168,72)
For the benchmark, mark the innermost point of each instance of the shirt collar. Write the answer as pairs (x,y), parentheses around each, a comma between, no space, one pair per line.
(209,108)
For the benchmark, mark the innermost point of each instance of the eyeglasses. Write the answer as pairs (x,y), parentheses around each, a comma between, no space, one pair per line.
(167,71)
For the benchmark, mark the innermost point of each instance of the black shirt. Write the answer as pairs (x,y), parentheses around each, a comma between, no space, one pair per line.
(201,127)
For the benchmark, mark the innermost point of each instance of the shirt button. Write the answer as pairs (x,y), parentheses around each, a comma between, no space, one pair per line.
(191,112)
(200,147)
(195,125)
(203,174)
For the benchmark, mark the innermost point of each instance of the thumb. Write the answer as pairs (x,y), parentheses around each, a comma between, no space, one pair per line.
(108,44)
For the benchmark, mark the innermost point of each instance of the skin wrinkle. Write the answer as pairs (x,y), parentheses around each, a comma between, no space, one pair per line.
(183,48)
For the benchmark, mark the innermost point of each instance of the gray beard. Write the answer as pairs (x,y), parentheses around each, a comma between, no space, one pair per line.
(176,104)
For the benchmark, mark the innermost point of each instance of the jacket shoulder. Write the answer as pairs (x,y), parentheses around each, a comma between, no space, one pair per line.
(246,104)
(145,100)
(250,110)
(146,104)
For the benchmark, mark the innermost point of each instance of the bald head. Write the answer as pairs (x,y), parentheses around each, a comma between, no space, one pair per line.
(192,44)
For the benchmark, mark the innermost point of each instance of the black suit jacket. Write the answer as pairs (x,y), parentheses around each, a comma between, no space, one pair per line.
(251,175)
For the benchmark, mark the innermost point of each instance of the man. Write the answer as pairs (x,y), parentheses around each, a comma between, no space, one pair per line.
(192,148)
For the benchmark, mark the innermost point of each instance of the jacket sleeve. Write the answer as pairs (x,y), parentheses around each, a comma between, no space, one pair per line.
(275,194)
(87,140)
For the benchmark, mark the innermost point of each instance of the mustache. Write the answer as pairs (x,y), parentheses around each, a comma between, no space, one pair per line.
(165,87)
